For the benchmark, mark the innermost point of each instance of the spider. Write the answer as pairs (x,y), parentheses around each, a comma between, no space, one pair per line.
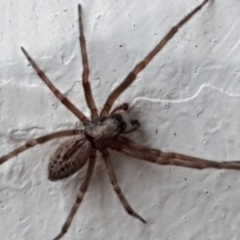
(106,131)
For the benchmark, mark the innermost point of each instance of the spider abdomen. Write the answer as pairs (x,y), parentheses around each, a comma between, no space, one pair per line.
(69,157)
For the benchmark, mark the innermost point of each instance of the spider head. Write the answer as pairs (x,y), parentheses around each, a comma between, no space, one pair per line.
(120,124)
(101,132)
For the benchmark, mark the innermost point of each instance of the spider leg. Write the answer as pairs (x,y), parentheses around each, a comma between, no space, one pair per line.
(82,190)
(70,106)
(39,140)
(135,126)
(85,76)
(134,123)
(123,107)
(168,158)
(116,187)
(141,65)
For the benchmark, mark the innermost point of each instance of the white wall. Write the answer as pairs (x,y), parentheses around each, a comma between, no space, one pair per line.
(190,94)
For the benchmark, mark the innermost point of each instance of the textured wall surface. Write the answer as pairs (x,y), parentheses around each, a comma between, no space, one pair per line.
(187,101)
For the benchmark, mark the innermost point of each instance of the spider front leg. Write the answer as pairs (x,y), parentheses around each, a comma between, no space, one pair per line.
(141,65)
(123,112)
(117,189)
(85,75)
(168,158)
(134,127)
(82,190)
(65,101)
(124,107)
(39,140)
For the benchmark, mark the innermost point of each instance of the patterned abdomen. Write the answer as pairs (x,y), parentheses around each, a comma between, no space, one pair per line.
(70,156)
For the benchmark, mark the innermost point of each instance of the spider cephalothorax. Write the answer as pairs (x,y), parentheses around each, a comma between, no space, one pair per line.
(72,154)
(102,131)
(105,131)
(99,134)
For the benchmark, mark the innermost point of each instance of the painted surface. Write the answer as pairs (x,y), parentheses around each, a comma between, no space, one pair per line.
(187,100)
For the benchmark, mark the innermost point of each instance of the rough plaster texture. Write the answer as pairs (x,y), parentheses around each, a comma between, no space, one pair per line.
(187,101)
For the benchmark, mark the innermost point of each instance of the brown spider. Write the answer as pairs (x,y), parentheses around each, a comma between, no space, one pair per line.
(105,131)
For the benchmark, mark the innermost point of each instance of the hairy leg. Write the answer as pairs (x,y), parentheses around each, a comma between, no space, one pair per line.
(140,66)
(83,189)
(68,104)
(85,76)
(113,180)
(168,158)
(39,140)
